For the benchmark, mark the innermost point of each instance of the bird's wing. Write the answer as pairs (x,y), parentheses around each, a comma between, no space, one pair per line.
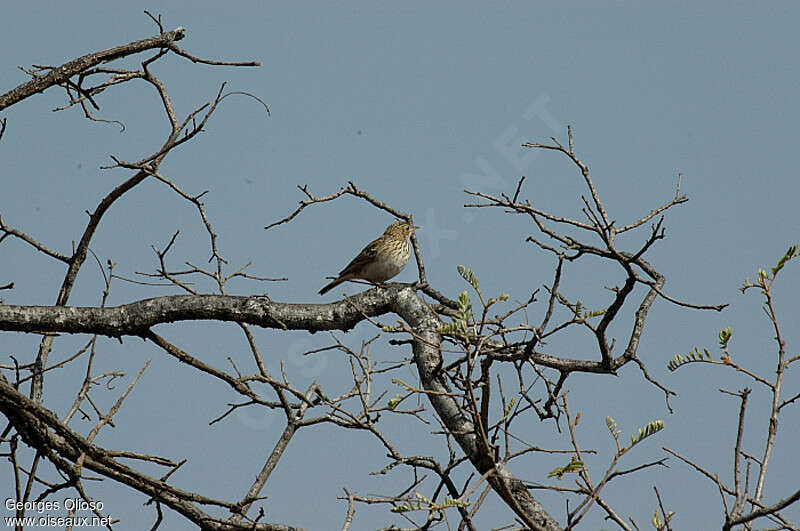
(366,256)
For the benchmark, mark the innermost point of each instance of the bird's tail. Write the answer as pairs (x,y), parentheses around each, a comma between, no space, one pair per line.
(332,285)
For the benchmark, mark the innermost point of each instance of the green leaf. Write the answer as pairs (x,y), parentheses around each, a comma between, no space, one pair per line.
(693,357)
(450,502)
(467,274)
(449,329)
(651,428)
(394,402)
(510,406)
(612,428)
(791,253)
(594,313)
(464,304)
(657,521)
(724,336)
(494,300)
(575,465)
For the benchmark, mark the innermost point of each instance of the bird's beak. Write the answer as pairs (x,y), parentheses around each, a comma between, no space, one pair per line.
(415,227)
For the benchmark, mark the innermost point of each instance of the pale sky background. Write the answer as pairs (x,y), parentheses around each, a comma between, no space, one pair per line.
(414,103)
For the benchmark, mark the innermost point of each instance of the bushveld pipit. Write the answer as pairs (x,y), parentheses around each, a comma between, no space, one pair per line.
(380,260)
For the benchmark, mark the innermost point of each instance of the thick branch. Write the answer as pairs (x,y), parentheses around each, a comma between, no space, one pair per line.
(428,357)
(136,319)
(62,73)
(35,423)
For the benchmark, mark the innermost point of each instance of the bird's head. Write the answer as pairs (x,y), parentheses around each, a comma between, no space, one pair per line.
(400,229)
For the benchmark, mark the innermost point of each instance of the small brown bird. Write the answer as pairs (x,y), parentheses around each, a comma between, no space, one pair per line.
(380,260)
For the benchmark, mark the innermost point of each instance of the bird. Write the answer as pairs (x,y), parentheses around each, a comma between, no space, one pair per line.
(382,259)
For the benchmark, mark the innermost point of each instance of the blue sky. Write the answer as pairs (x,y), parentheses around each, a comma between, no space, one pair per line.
(414,103)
